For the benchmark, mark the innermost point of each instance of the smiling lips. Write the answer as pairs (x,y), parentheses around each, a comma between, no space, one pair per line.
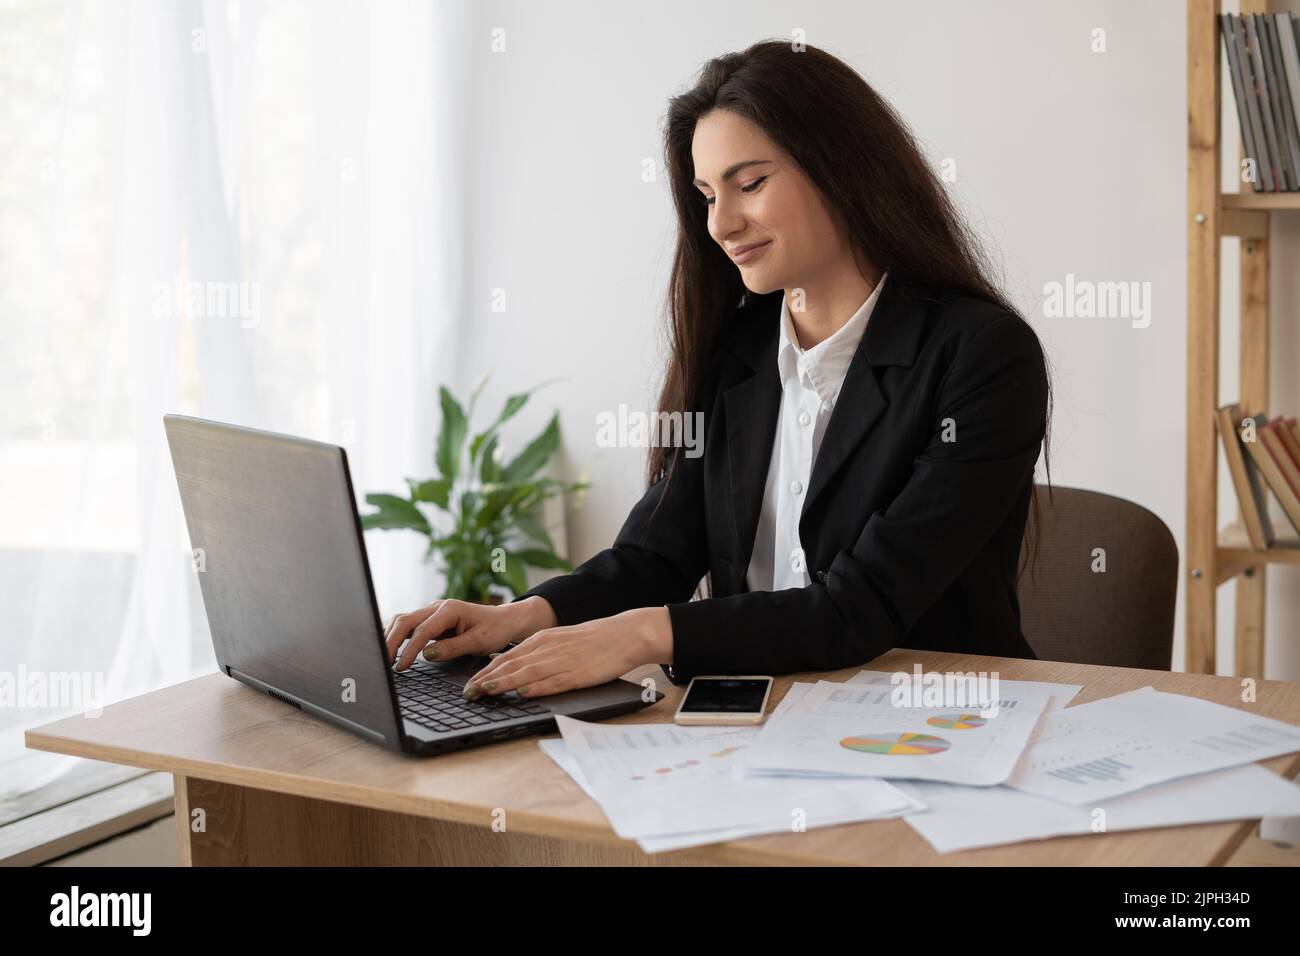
(745,253)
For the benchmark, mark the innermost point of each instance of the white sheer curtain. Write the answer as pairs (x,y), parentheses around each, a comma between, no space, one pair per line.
(292,163)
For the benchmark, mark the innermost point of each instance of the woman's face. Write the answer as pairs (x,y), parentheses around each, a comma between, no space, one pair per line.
(758,196)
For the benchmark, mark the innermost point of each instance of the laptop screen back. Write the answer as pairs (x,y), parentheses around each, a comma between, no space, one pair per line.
(282,568)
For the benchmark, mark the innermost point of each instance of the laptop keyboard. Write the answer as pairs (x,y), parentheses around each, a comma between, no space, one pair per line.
(437,703)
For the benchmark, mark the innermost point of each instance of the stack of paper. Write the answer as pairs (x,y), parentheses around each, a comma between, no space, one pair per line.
(963,818)
(864,729)
(1021,767)
(669,787)
(1137,760)
(1121,744)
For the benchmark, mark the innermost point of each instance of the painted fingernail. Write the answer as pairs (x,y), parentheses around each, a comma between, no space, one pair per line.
(490,686)
(472,692)
(431,652)
(521,690)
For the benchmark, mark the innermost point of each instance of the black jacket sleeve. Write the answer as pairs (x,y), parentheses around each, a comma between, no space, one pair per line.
(659,555)
(959,493)
(652,562)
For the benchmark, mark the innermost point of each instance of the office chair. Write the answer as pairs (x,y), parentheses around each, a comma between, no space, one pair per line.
(1121,617)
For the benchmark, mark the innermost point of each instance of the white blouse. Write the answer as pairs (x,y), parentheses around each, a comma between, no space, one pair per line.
(810,384)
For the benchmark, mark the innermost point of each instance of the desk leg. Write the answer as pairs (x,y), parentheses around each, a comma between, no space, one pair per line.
(181,801)
(220,824)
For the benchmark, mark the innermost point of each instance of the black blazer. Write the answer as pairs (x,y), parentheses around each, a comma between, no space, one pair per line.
(910,540)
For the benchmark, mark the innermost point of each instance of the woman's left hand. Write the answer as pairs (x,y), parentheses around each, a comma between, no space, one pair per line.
(559,659)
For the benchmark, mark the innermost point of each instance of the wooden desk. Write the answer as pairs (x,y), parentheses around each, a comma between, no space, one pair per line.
(279,787)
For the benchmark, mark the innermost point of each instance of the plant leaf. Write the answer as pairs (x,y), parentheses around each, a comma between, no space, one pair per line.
(537,454)
(494,502)
(468,507)
(455,583)
(394,512)
(530,526)
(489,469)
(512,406)
(513,577)
(451,437)
(473,396)
(482,584)
(435,491)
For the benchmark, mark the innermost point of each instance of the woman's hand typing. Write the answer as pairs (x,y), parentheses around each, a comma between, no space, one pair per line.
(558,659)
(473,629)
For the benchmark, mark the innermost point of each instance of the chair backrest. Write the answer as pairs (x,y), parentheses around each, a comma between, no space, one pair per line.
(1072,610)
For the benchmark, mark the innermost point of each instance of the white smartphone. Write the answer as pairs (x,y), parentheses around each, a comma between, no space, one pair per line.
(725,700)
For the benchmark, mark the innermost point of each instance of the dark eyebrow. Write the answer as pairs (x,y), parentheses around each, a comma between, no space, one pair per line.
(734,168)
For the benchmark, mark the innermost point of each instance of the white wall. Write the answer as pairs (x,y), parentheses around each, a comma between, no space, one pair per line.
(1070,161)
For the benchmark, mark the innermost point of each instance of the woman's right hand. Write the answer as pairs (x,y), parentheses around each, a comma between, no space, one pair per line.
(477,629)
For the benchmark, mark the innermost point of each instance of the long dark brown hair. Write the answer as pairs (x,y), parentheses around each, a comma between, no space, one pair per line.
(864,160)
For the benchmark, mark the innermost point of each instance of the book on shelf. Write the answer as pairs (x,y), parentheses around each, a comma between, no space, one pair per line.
(1286,431)
(1252,492)
(1262,453)
(1262,52)
(1281,455)
(1234,47)
(1283,105)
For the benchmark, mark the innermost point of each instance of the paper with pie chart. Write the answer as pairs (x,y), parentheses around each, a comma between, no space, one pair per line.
(859,730)
(657,779)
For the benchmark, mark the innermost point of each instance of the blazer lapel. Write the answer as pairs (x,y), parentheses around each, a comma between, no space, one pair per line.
(752,407)
(890,338)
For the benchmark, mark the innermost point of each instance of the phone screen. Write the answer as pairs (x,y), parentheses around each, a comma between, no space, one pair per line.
(725,696)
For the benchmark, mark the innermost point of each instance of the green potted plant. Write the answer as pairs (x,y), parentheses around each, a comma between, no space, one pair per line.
(487,528)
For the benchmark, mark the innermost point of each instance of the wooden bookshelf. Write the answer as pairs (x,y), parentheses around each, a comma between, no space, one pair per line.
(1263,201)
(1235,554)
(1214,556)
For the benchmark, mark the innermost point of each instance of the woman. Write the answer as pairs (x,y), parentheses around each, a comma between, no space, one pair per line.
(873,413)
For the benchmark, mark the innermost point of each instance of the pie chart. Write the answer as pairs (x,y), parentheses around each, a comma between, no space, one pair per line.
(956,721)
(907,744)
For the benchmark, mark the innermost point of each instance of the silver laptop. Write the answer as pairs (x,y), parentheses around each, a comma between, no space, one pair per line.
(286,585)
